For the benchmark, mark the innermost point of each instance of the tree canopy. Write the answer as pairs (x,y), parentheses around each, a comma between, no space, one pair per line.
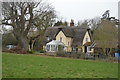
(25,17)
(106,30)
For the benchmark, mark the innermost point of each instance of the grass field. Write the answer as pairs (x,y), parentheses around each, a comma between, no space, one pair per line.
(33,66)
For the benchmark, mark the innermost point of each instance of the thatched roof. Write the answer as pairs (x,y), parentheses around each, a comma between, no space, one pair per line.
(77,33)
(78,36)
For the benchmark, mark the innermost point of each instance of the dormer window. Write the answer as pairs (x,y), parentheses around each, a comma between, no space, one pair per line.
(86,39)
(61,39)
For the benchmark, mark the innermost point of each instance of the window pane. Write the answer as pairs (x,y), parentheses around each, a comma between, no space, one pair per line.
(61,39)
(86,39)
(48,47)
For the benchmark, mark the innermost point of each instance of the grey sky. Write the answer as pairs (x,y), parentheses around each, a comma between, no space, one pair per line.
(84,9)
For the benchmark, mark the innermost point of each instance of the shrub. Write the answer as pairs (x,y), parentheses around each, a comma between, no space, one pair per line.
(17,49)
(62,54)
(78,55)
(82,55)
(31,52)
(72,55)
(42,51)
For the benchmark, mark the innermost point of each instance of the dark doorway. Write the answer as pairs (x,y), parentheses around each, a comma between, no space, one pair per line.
(85,49)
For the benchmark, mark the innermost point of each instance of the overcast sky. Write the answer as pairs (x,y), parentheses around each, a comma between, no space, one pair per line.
(84,9)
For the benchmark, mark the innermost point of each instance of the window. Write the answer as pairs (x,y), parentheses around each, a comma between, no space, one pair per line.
(86,39)
(68,43)
(48,38)
(74,49)
(48,47)
(53,48)
(61,39)
(88,48)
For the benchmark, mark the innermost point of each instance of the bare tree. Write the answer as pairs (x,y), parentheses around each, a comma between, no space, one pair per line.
(90,23)
(25,17)
(83,24)
(94,22)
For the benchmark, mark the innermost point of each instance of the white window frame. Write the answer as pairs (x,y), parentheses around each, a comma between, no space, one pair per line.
(86,39)
(88,48)
(61,39)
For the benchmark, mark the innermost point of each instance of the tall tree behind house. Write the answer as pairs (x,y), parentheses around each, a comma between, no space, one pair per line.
(105,33)
(61,23)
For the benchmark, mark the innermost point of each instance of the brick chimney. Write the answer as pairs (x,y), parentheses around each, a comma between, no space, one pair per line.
(72,23)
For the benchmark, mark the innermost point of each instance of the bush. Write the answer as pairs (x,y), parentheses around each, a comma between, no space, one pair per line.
(72,55)
(31,52)
(78,55)
(17,49)
(62,54)
(75,55)
(42,51)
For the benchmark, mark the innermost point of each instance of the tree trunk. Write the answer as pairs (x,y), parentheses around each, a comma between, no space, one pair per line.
(24,44)
(31,44)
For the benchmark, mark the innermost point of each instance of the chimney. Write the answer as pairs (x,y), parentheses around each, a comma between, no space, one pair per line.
(72,23)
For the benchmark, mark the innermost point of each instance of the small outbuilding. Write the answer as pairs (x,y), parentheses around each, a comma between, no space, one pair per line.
(54,46)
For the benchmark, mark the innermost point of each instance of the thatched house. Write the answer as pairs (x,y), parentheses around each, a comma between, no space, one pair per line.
(74,39)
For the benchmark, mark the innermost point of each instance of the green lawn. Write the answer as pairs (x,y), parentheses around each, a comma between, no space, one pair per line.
(33,66)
